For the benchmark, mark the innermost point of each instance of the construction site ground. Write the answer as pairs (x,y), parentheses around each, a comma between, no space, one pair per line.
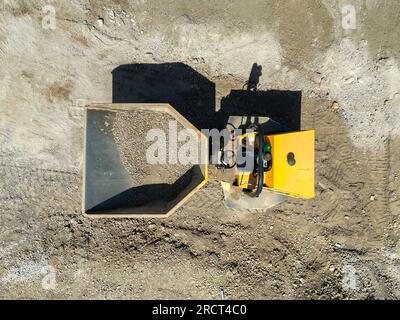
(344,244)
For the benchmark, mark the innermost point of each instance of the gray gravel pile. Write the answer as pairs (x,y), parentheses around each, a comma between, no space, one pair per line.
(130,130)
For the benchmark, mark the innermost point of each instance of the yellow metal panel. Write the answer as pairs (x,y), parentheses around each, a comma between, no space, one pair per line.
(296,180)
(243,179)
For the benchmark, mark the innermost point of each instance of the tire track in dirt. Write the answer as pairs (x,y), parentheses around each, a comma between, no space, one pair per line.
(393,232)
(334,158)
(351,185)
(10,168)
(29,193)
(378,208)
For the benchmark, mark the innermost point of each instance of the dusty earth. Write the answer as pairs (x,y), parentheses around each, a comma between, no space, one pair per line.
(342,244)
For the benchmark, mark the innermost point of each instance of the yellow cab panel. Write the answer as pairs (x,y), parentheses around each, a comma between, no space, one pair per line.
(292,163)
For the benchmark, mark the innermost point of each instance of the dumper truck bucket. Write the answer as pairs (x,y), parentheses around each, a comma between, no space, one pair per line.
(108,189)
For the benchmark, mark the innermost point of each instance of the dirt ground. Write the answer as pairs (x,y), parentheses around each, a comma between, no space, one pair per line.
(344,244)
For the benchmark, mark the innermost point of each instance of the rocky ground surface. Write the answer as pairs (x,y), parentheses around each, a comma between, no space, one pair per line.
(342,244)
(131,130)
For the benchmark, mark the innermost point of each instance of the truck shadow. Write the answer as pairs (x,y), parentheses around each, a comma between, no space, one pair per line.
(186,90)
(282,106)
(193,95)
